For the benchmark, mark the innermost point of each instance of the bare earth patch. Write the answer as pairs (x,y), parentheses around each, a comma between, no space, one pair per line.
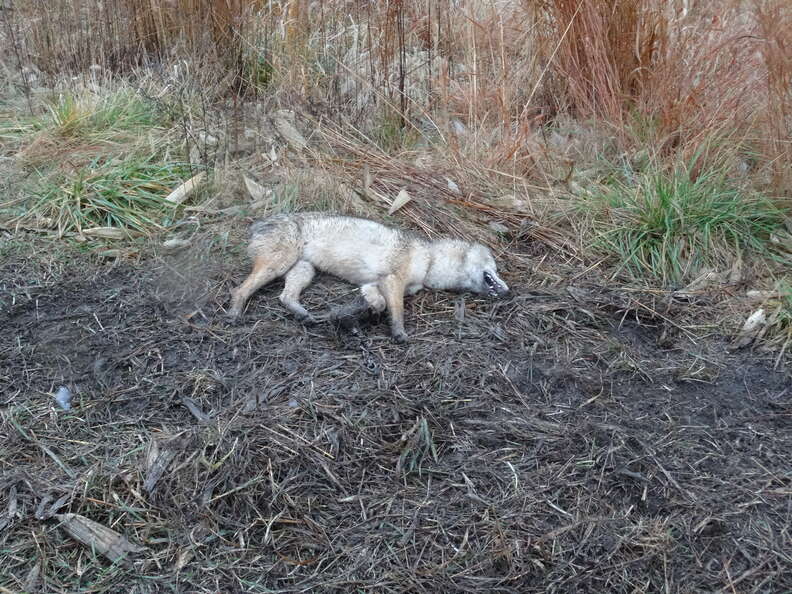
(564,440)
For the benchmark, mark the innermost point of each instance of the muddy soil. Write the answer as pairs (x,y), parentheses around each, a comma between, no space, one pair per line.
(562,440)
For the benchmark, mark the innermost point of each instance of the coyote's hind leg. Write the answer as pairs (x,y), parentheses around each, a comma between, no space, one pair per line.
(264,271)
(274,248)
(299,277)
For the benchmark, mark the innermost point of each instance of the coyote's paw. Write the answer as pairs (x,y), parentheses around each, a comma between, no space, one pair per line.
(400,337)
(307,319)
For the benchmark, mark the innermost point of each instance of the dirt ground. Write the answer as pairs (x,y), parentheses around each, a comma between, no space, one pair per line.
(570,439)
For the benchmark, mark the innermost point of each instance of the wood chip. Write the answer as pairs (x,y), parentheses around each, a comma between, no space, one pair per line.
(99,538)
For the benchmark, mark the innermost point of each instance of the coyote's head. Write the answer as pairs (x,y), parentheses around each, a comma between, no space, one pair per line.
(481,274)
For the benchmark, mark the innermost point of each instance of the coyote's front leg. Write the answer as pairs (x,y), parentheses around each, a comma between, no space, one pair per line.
(392,289)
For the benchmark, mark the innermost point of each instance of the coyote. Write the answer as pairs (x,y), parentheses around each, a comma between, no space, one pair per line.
(386,263)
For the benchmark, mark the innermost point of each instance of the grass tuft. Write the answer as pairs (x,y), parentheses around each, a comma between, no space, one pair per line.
(127,194)
(670,227)
(87,114)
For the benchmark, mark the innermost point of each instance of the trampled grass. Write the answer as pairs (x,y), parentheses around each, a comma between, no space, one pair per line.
(669,227)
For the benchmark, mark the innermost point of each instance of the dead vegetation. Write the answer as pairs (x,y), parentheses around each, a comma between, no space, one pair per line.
(569,439)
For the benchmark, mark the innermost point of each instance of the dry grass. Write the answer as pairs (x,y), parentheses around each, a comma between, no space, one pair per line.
(504,450)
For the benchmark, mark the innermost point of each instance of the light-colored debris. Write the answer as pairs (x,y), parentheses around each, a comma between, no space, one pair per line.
(46,509)
(63,397)
(754,321)
(283,120)
(367,191)
(752,326)
(99,538)
(762,295)
(160,454)
(173,245)
(452,186)
(782,240)
(257,191)
(459,309)
(32,579)
(207,138)
(401,199)
(498,227)
(195,410)
(458,127)
(511,202)
(106,233)
(736,272)
(194,156)
(184,557)
(184,191)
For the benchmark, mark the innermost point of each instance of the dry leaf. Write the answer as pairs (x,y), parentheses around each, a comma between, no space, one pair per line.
(193,407)
(183,192)
(401,199)
(257,191)
(194,156)
(101,539)
(175,244)
(736,272)
(750,328)
(762,295)
(286,129)
(207,138)
(106,232)
(183,559)
(160,454)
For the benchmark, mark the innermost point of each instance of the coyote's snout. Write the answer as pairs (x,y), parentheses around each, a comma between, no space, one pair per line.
(385,263)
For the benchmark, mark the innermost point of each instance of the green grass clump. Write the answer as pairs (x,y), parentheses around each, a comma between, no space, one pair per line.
(128,194)
(669,227)
(86,114)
